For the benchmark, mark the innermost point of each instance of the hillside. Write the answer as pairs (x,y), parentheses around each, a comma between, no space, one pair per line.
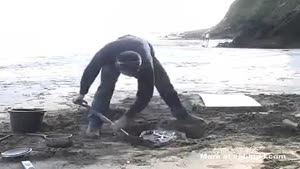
(260,24)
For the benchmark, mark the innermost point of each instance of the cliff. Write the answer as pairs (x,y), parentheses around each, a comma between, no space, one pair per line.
(261,24)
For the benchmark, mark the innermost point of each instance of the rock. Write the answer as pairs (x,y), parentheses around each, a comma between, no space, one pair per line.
(257,24)
(267,24)
(225,44)
(211,137)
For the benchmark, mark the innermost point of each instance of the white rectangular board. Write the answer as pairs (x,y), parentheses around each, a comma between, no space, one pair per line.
(228,100)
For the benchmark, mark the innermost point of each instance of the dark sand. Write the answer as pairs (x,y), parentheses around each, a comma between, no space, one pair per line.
(229,132)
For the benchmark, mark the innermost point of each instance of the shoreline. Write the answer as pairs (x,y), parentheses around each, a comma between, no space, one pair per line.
(214,70)
(266,75)
(247,44)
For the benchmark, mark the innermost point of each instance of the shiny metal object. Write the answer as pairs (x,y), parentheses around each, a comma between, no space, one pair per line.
(17,152)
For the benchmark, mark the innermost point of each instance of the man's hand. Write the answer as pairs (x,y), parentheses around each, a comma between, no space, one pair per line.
(121,123)
(78,99)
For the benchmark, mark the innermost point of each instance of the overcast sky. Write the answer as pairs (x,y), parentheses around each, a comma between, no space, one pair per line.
(64,24)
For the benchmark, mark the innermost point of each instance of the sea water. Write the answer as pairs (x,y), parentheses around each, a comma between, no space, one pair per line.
(51,81)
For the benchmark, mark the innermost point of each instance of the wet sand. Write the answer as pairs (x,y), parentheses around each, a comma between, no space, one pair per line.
(232,139)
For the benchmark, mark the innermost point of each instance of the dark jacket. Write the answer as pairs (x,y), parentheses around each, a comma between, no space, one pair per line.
(107,55)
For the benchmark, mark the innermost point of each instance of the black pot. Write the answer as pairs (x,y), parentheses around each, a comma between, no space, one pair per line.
(26,120)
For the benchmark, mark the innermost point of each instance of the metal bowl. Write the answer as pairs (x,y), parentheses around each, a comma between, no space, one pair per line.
(16,153)
(59,140)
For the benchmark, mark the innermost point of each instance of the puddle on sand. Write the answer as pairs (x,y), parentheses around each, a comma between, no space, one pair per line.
(233,158)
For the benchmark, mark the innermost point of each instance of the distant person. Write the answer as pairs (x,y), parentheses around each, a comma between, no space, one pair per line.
(207,36)
(206,39)
(134,57)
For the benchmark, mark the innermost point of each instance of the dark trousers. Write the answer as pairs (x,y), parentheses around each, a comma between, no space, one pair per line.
(109,77)
(101,102)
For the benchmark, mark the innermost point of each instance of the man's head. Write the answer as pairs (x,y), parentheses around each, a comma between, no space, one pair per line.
(129,63)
